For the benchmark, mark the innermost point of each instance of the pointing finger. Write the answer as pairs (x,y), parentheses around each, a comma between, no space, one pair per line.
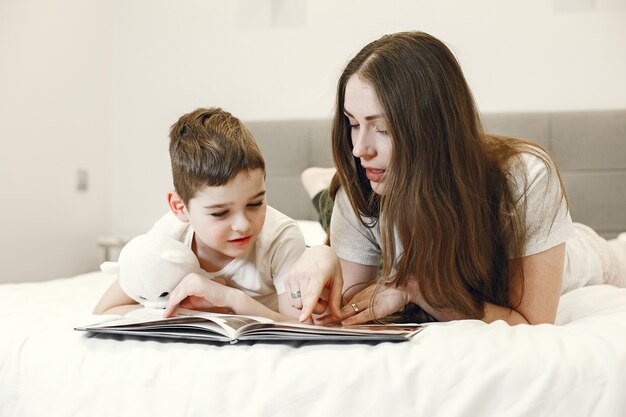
(309,302)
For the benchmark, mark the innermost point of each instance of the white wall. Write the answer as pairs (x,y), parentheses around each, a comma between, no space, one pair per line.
(518,55)
(54,120)
(112,76)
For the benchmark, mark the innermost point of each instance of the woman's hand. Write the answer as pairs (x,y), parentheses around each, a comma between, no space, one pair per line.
(196,292)
(361,309)
(317,270)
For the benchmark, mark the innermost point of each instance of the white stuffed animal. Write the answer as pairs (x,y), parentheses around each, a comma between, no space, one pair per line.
(150,266)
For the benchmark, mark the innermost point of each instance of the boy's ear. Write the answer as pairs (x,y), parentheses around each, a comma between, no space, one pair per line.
(177,205)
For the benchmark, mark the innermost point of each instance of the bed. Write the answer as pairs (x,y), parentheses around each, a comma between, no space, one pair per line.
(460,368)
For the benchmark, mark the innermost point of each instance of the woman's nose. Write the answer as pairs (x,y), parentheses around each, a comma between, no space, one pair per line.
(361,147)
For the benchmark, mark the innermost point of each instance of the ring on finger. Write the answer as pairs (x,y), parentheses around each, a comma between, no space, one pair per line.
(355,307)
(296,295)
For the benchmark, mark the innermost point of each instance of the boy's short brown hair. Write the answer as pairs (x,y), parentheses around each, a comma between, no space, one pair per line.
(208,148)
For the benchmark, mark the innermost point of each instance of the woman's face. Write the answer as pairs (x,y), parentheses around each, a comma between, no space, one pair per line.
(370,141)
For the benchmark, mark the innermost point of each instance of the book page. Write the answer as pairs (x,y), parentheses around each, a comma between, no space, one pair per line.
(151,321)
(294,330)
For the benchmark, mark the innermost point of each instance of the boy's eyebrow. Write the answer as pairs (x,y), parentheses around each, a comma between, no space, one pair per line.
(222,205)
(218,205)
(372,117)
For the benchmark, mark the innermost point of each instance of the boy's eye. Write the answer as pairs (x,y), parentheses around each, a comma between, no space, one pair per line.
(219,214)
(257,204)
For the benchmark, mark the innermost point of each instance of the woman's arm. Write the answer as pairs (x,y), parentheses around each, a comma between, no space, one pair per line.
(535,291)
(535,297)
(115,301)
(537,288)
(356,278)
(373,302)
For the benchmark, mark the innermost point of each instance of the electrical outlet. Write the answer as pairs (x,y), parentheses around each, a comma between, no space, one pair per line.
(82,180)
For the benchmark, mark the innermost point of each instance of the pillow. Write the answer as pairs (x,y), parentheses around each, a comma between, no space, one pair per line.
(313,232)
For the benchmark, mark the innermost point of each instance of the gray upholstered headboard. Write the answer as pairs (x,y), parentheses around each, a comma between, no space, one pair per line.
(590,148)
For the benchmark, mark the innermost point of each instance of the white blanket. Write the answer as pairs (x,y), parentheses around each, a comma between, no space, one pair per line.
(462,368)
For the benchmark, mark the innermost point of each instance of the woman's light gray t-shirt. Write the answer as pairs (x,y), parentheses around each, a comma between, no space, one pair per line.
(547,222)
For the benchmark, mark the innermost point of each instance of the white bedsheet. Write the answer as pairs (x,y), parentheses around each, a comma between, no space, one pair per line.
(463,368)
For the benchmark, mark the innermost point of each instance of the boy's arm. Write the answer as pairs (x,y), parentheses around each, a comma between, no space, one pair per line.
(115,301)
(199,293)
(249,306)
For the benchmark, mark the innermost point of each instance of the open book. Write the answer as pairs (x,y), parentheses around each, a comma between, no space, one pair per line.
(230,328)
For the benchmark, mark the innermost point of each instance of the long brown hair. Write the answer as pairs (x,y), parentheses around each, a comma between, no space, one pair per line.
(446,197)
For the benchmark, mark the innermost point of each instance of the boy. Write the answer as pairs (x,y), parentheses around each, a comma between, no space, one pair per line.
(218,208)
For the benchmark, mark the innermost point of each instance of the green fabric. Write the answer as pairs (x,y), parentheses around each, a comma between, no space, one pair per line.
(324,206)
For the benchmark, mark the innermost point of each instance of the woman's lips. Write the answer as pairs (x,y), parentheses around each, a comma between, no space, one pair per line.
(242,241)
(374,175)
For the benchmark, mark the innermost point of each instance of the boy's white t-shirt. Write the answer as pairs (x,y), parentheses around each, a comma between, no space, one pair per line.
(261,273)
(548,224)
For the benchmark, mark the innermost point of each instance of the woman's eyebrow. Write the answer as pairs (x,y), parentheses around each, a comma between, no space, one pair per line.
(372,117)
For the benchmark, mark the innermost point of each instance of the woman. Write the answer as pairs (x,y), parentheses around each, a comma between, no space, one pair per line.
(465,224)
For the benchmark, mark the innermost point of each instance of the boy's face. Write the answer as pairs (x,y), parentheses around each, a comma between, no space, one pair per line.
(227,219)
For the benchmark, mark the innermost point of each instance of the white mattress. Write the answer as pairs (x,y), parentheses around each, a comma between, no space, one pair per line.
(463,368)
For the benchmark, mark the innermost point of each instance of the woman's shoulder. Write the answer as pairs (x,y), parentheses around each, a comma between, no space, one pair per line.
(531,165)
(342,202)
(538,193)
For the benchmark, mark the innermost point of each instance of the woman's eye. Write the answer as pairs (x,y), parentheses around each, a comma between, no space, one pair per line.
(219,214)
(381,131)
(354,127)
(257,204)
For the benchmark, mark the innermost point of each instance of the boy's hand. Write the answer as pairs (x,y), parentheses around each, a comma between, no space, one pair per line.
(196,292)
